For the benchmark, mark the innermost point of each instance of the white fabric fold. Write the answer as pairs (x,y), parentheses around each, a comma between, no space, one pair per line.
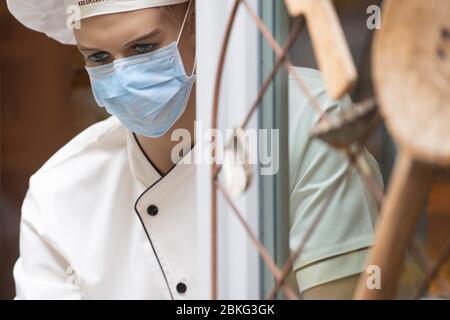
(55,17)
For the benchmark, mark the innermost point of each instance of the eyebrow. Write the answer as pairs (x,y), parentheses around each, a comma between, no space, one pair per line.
(82,48)
(145,36)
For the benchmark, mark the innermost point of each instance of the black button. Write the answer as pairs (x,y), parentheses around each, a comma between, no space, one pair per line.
(152,210)
(181,287)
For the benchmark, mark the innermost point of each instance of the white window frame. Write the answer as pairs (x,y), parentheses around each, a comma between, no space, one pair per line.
(238,261)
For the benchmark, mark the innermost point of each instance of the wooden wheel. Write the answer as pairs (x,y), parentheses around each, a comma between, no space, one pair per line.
(412,79)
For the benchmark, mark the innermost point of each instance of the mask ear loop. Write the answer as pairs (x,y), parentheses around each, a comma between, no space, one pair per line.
(194,69)
(184,21)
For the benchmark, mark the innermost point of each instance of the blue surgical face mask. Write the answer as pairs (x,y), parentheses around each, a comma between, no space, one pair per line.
(148,93)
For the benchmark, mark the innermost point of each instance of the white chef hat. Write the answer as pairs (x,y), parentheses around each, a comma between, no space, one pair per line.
(53,17)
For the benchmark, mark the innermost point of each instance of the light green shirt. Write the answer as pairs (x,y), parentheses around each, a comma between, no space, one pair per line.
(339,243)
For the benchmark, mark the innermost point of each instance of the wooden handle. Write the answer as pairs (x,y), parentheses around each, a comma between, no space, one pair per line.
(408,190)
(330,46)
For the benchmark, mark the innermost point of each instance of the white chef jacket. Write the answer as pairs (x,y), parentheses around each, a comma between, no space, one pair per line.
(89,228)
(100,222)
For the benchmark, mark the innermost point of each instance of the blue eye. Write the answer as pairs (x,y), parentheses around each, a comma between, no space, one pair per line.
(142,48)
(99,57)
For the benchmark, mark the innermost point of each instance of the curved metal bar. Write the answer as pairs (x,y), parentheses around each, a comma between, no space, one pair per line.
(259,246)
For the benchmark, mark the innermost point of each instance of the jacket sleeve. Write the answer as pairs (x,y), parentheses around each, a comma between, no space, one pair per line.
(41,272)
